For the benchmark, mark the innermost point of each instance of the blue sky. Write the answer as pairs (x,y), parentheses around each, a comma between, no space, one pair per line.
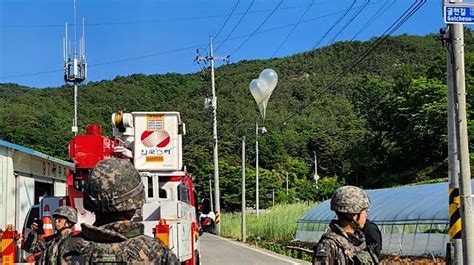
(124,37)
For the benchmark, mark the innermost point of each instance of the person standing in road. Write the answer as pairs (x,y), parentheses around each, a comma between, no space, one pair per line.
(114,192)
(52,247)
(344,241)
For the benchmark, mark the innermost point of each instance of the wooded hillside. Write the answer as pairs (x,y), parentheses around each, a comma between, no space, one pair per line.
(383,124)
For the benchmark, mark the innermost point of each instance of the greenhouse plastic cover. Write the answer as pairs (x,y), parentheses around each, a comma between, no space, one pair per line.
(409,204)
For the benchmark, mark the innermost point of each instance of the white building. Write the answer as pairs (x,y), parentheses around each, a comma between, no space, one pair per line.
(27,175)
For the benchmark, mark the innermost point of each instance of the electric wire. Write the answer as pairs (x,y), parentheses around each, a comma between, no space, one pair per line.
(335,24)
(150,21)
(294,27)
(353,17)
(377,14)
(225,22)
(385,35)
(201,136)
(32,74)
(236,25)
(111,62)
(397,24)
(175,50)
(258,28)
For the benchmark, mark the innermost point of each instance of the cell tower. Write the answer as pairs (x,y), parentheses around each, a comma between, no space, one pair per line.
(75,69)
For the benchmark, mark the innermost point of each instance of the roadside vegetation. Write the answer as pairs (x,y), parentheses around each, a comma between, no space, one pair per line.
(274,229)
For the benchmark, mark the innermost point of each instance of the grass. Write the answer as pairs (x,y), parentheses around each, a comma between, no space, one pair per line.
(277,224)
(274,229)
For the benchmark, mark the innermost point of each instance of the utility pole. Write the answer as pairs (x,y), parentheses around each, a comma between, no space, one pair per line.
(210,193)
(211,58)
(273,197)
(75,69)
(286,184)
(316,176)
(256,171)
(257,197)
(243,224)
(457,38)
(454,12)
(455,249)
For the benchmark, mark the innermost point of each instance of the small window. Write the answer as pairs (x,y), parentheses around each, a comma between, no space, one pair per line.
(163,194)
(150,187)
(183,193)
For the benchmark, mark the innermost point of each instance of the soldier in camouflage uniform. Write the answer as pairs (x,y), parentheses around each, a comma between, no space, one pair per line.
(344,241)
(52,247)
(114,192)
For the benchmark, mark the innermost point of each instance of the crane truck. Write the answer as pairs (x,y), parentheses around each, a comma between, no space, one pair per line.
(153,142)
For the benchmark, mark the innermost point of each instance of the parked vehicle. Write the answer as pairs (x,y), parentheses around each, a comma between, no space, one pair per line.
(153,142)
(207,217)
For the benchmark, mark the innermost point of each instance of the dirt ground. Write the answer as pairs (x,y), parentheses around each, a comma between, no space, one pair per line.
(411,260)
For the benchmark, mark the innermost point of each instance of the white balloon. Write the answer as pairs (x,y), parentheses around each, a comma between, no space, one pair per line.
(262,88)
(257,88)
(270,77)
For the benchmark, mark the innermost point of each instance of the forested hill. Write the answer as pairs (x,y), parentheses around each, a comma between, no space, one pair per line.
(382,124)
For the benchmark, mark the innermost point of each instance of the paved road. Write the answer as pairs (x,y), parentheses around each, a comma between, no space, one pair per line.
(216,250)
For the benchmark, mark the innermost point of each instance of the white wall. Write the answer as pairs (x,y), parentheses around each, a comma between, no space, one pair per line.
(59,188)
(18,173)
(25,199)
(38,167)
(7,188)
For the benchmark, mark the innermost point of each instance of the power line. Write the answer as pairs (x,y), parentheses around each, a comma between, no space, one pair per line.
(397,24)
(253,33)
(400,21)
(385,35)
(377,14)
(111,62)
(205,132)
(293,29)
(32,74)
(176,50)
(357,13)
(225,22)
(335,24)
(236,25)
(112,23)
(296,24)
(147,56)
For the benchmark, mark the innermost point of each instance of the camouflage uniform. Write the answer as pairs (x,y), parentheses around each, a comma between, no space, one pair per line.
(338,247)
(113,187)
(52,247)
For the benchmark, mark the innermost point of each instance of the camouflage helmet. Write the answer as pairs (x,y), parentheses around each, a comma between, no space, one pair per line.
(349,199)
(113,186)
(67,212)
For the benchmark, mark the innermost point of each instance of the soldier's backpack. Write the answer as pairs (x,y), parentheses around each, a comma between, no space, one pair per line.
(353,255)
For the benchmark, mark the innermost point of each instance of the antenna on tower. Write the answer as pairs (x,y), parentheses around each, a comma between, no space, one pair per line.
(75,69)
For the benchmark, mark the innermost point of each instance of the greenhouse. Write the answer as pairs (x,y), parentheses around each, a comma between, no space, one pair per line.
(413,219)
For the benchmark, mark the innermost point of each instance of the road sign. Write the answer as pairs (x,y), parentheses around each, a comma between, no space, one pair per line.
(459,13)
